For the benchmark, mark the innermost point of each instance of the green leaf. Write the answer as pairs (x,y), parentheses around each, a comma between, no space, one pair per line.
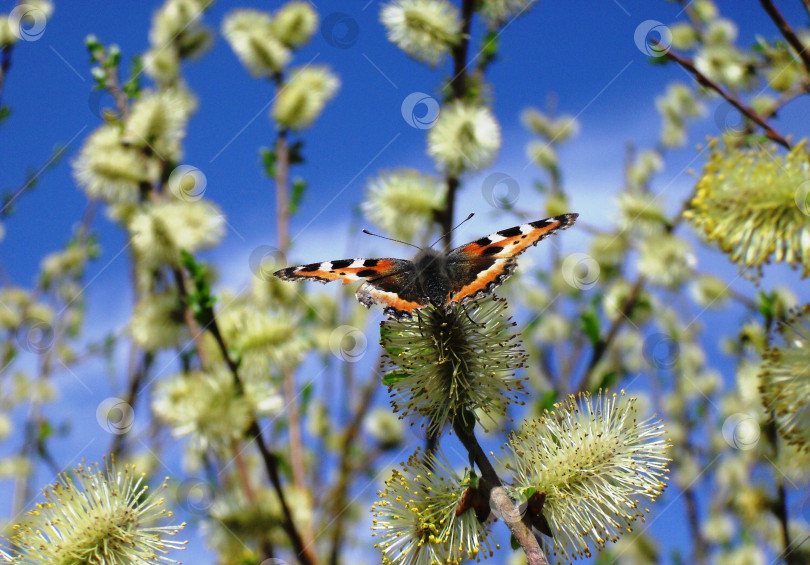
(489,48)
(298,188)
(133,85)
(94,47)
(5,112)
(295,155)
(547,400)
(113,56)
(306,396)
(608,380)
(268,161)
(200,299)
(590,325)
(766,303)
(513,542)
(394,376)
(100,75)
(45,431)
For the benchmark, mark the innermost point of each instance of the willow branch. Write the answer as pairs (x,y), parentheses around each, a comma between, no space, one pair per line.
(346,467)
(271,460)
(499,499)
(282,181)
(136,378)
(706,82)
(780,507)
(787,32)
(603,345)
(458,88)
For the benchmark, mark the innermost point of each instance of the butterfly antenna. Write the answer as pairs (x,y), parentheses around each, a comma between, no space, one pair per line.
(365,231)
(454,229)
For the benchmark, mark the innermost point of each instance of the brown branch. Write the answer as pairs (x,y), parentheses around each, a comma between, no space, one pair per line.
(780,507)
(345,467)
(282,181)
(706,82)
(458,88)
(283,193)
(113,85)
(458,83)
(602,347)
(271,461)
(499,499)
(787,31)
(700,548)
(136,378)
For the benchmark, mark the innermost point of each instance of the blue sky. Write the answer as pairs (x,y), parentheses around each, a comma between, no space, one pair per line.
(580,54)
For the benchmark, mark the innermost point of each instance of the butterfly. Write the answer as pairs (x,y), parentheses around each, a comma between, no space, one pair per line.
(467,272)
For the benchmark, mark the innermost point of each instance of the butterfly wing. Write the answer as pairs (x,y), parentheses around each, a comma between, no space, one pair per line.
(479,267)
(390,282)
(346,270)
(397,289)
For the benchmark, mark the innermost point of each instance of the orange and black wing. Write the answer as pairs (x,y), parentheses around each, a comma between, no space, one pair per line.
(479,267)
(390,282)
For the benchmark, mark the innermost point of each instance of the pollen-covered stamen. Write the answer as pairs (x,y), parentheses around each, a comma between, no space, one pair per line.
(417,520)
(785,381)
(451,362)
(595,462)
(98,516)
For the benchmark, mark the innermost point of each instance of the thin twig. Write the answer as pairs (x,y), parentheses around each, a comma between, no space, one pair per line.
(271,461)
(499,499)
(282,181)
(136,378)
(705,81)
(780,507)
(458,87)
(787,32)
(603,345)
(346,466)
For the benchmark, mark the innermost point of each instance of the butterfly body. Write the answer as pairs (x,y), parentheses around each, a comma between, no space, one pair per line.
(468,272)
